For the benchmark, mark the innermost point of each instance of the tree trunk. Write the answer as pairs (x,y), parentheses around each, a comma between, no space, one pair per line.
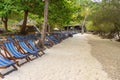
(5,21)
(48,28)
(23,29)
(83,24)
(43,34)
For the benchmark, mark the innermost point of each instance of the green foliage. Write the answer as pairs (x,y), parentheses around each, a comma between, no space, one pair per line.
(59,13)
(5,7)
(33,6)
(89,26)
(106,15)
(103,16)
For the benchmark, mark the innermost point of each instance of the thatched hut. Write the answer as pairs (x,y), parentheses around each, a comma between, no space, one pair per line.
(31,26)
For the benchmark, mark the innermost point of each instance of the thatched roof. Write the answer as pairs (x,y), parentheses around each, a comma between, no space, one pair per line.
(29,22)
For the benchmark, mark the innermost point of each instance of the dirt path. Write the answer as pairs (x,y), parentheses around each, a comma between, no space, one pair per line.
(107,52)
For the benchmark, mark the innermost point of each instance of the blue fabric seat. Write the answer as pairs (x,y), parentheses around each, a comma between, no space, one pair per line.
(52,39)
(26,48)
(11,48)
(14,54)
(33,45)
(5,63)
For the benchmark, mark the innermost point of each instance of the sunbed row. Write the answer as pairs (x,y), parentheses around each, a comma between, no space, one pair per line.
(13,51)
(17,48)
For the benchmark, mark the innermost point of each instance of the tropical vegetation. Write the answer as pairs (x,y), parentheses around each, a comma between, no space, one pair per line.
(100,17)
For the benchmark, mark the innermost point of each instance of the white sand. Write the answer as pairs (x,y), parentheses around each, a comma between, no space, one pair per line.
(69,60)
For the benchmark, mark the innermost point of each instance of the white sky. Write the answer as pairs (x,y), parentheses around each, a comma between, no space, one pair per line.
(96,0)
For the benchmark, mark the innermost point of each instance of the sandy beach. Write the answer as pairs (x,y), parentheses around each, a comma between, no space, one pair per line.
(107,52)
(73,59)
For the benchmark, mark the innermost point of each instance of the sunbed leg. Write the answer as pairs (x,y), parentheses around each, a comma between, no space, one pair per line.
(1,75)
(29,58)
(38,55)
(18,64)
(43,52)
(15,67)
